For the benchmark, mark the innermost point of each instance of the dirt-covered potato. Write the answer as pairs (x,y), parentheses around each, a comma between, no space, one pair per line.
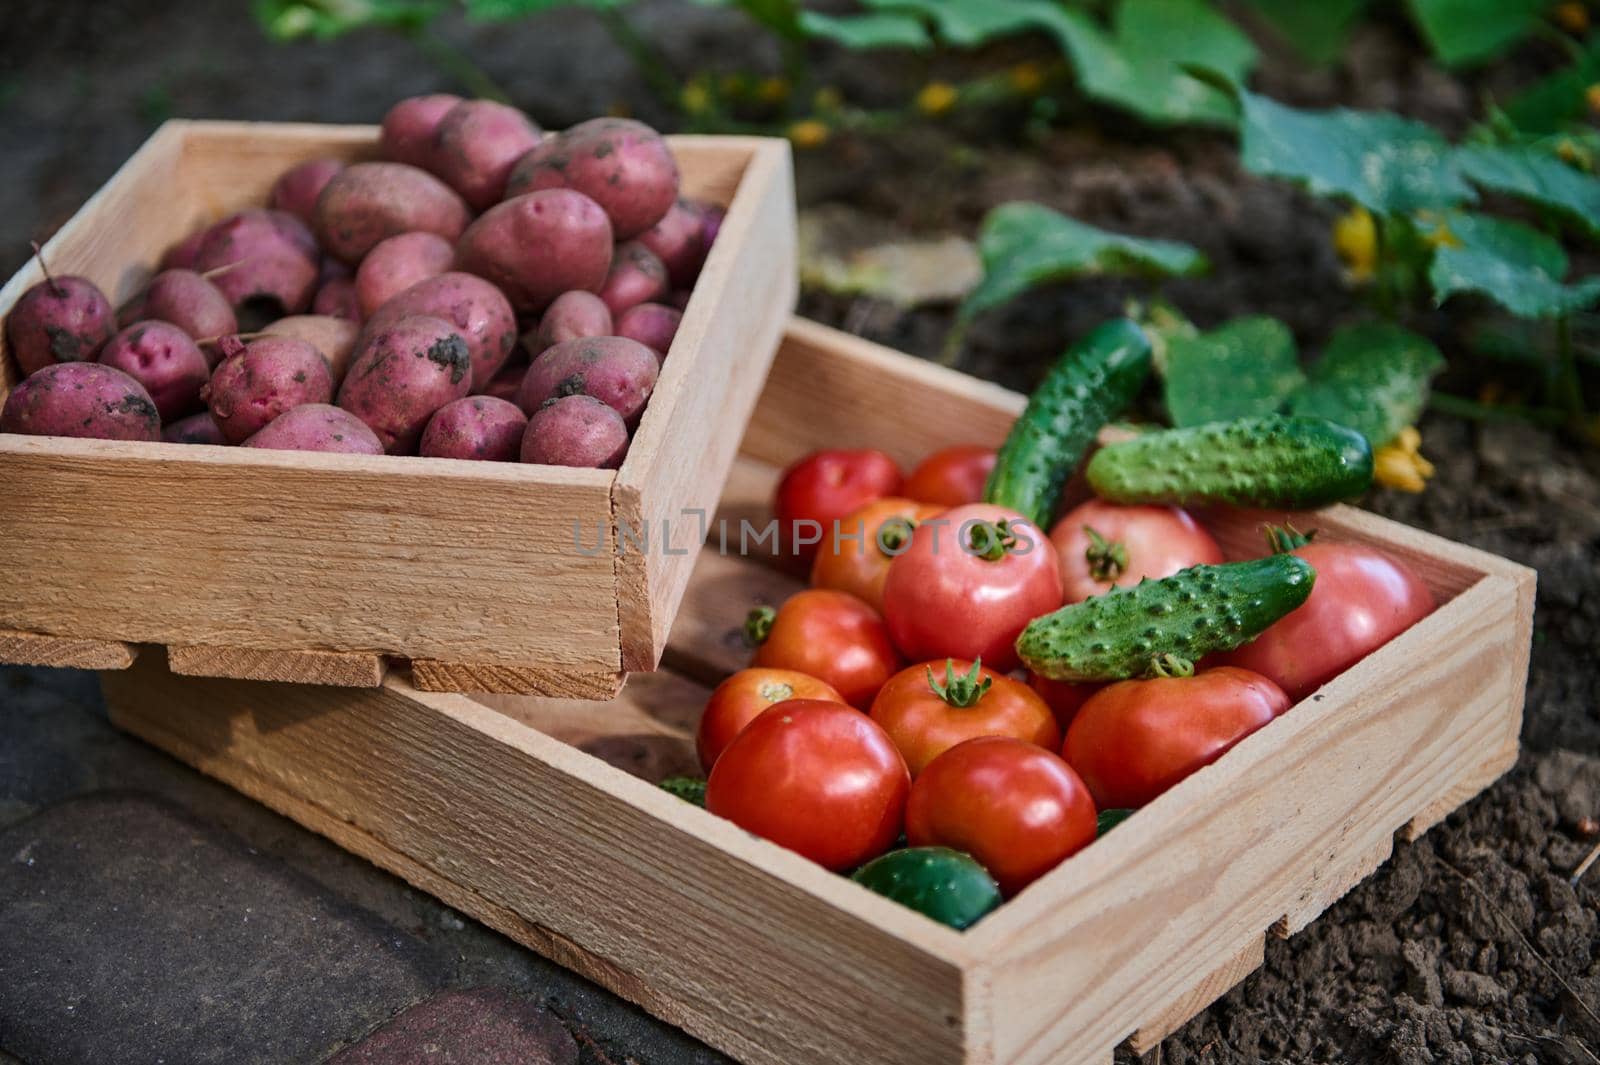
(475,146)
(298,187)
(261,258)
(535,247)
(259,380)
(478,310)
(572,315)
(61,319)
(477,427)
(370,202)
(337,299)
(190,302)
(334,337)
(651,324)
(679,241)
(396,264)
(195,429)
(165,361)
(402,372)
(82,399)
(615,370)
(575,431)
(636,276)
(623,165)
(317,427)
(409,126)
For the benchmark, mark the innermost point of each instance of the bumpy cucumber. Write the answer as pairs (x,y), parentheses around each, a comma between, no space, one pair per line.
(1273,461)
(1165,625)
(689,789)
(1091,384)
(941,883)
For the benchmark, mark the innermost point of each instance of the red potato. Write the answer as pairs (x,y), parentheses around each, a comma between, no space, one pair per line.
(651,324)
(181,255)
(478,310)
(261,257)
(195,429)
(190,302)
(615,370)
(575,431)
(82,399)
(260,380)
(337,299)
(409,126)
(396,264)
(163,359)
(334,338)
(537,246)
(478,427)
(572,315)
(370,202)
(475,145)
(678,239)
(317,427)
(636,276)
(61,319)
(623,165)
(297,188)
(712,216)
(402,373)
(329,268)
(507,382)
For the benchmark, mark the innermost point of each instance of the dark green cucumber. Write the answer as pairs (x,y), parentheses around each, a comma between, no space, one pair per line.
(1272,461)
(938,882)
(689,789)
(1165,625)
(1090,384)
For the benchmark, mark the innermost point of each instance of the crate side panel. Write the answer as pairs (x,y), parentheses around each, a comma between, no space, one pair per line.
(177,547)
(721,944)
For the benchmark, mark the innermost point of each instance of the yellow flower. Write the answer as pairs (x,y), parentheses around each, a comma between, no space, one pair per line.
(936,98)
(1355,238)
(773,90)
(733,86)
(1591,96)
(809,133)
(1399,463)
(1027,78)
(696,98)
(828,98)
(1572,17)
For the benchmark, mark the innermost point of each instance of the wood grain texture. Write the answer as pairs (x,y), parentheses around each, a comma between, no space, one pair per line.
(66,652)
(1211,987)
(535,826)
(348,669)
(680,455)
(432,675)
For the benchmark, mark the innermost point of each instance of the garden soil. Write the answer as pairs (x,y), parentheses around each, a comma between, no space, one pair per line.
(1470,945)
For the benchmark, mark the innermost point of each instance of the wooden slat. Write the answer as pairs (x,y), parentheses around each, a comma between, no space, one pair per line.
(348,669)
(67,652)
(1212,986)
(432,675)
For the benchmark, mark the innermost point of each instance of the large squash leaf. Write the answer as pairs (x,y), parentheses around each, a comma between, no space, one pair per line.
(1515,265)
(1371,377)
(1471,31)
(874,29)
(1028,244)
(1241,369)
(1537,177)
(1317,29)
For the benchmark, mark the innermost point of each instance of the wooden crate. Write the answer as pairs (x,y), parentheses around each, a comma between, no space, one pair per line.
(318,568)
(538,816)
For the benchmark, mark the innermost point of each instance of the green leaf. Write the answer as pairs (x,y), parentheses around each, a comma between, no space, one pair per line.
(1372,378)
(1388,164)
(689,789)
(971,23)
(1318,29)
(1109,819)
(1241,369)
(291,20)
(1512,264)
(1550,105)
(1027,244)
(1537,177)
(779,17)
(882,29)
(1470,31)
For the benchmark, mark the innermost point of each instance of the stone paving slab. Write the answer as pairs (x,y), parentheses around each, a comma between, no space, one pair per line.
(480,1026)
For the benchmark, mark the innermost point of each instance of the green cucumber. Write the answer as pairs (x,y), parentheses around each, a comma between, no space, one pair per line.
(689,789)
(938,882)
(1272,461)
(1090,384)
(1162,627)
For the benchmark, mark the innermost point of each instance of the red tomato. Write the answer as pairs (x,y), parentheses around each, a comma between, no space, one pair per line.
(1064,697)
(824,487)
(1126,545)
(952,476)
(816,777)
(1017,808)
(832,636)
(857,559)
(1361,600)
(1136,738)
(930,708)
(741,698)
(948,596)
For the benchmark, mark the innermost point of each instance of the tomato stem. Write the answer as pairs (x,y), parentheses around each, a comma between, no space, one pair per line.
(1169,666)
(991,540)
(1108,559)
(1283,539)
(894,533)
(963,690)
(758,625)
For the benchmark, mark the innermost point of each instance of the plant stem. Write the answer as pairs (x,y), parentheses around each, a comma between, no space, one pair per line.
(950,351)
(1461,407)
(658,75)
(1569,386)
(459,65)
